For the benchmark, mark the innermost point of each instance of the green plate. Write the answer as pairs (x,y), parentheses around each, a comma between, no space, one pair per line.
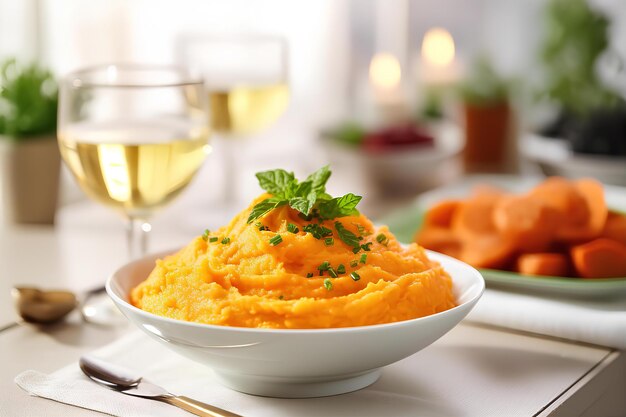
(406,222)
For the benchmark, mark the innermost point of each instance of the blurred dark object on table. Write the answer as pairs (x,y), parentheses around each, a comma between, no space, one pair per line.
(386,139)
(603,132)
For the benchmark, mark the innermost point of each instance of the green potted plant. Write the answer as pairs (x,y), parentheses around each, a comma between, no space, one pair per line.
(29,155)
(485,97)
(591,113)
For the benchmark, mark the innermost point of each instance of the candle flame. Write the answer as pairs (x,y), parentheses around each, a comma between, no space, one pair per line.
(385,71)
(438,47)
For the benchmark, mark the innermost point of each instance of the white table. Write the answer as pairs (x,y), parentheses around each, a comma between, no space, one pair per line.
(518,374)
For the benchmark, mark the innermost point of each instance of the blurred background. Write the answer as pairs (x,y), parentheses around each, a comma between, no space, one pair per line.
(398,96)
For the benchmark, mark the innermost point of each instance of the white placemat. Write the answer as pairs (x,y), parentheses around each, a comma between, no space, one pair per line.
(470,371)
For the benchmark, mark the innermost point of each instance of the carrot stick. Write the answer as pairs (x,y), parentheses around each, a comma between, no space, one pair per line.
(550,264)
(440,215)
(600,258)
(615,228)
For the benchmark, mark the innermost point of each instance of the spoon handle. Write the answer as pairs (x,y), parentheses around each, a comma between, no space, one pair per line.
(198,408)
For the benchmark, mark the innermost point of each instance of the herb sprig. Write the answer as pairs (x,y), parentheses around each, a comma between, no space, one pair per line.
(306,197)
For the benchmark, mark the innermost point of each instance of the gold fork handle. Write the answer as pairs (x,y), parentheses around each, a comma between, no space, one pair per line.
(198,408)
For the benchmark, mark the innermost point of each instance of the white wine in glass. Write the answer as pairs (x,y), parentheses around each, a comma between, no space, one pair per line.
(133,137)
(246,82)
(134,168)
(247,109)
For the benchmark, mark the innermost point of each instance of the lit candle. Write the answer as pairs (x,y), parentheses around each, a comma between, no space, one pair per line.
(437,65)
(385,75)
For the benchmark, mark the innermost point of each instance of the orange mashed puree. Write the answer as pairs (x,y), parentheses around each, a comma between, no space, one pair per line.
(248,282)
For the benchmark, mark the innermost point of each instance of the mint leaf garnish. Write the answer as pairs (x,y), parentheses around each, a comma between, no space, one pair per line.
(319,179)
(264,207)
(347,236)
(276,182)
(303,205)
(339,206)
(309,197)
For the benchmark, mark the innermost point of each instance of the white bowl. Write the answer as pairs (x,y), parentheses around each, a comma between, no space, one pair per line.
(297,363)
(554,157)
(403,171)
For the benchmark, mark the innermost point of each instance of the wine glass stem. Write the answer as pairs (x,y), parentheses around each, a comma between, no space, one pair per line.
(229,149)
(137,237)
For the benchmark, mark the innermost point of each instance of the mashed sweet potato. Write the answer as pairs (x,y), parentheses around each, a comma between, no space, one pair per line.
(237,277)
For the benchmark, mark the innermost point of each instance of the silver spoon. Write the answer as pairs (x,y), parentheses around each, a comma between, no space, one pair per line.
(38,306)
(130,383)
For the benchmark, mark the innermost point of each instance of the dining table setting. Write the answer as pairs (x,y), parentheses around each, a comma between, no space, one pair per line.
(518,352)
(387,216)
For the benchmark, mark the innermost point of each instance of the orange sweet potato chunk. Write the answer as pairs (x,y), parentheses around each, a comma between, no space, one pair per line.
(528,221)
(474,217)
(440,240)
(488,251)
(600,258)
(550,264)
(440,215)
(615,228)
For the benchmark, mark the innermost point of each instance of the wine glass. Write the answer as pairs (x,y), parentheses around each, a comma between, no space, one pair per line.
(133,137)
(246,83)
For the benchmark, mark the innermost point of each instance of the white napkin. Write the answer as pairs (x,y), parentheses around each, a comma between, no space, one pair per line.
(601,322)
(425,383)
(184,377)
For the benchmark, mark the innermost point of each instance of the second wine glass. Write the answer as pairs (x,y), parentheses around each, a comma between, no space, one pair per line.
(247,86)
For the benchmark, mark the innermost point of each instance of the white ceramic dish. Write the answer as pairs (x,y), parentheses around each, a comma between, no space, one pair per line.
(297,363)
(397,172)
(554,157)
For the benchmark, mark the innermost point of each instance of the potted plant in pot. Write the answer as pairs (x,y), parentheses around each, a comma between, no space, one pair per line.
(488,117)
(576,38)
(29,155)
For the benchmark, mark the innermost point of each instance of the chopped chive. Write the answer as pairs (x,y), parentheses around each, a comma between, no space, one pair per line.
(329,241)
(213,239)
(281,297)
(363,258)
(324,266)
(292,228)
(355,276)
(276,240)
(205,235)
(261,227)
(361,238)
(354,263)
(309,275)
(332,273)
(341,269)
(317,230)
(366,247)
(381,238)
(226,241)
(360,228)
(327,284)
(356,250)
(305,217)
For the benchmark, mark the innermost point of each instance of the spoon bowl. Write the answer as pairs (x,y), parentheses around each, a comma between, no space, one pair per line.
(108,374)
(45,307)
